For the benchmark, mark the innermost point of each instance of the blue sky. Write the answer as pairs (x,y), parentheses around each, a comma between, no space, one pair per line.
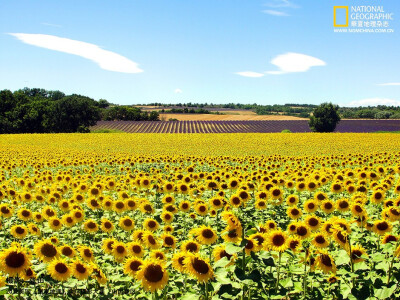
(143,51)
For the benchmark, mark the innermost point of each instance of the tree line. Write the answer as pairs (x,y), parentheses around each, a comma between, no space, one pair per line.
(41,111)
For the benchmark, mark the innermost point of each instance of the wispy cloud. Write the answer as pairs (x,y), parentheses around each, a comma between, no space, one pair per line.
(389,84)
(50,24)
(276,13)
(250,74)
(178,91)
(281,3)
(105,59)
(294,62)
(373,102)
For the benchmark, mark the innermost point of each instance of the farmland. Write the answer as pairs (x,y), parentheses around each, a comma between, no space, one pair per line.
(242,216)
(243,126)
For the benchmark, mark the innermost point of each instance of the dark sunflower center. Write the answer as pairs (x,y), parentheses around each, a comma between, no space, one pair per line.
(136,249)
(19,230)
(313,222)
(358,208)
(341,237)
(378,195)
(180,260)
(169,240)
(67,251)
(61,268)
(302,231)
(135,265)
(382,226)
(152,224)
(192,247)
(94,203)
(29,272)
(259,239)
(151,240)
(355,254)
(295,212)
(15,260)
(320,239)
(107,225)
(185,206)
(343,204)
(207,233)
(294,244)
(26,213)
(326,260)
(153,273)
(120,249)
(91,225)
(128,222)
(391,238)
(119,205)
(80,269)
(224,254)
(200,266)
(48,250)
(328,205)
(159,255)
(276,193)
(110,245)
(87,253)
(236,200)
(278,240)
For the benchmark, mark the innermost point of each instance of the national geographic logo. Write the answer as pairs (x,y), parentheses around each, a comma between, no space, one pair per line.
(362,18)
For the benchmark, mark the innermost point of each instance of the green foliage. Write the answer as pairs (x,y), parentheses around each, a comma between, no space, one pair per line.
(128,113)
(325,118)
(286,131)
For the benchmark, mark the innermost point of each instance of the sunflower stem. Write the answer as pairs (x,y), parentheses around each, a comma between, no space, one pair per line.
(278,270)
(305,274)
(353,280)
(243,262)
(206,290)
(391,263)
(19,288)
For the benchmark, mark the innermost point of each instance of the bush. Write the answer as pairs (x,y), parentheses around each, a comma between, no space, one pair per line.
(325,118)
(286,131)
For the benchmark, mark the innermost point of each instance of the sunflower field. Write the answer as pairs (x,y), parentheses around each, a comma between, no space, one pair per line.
(200,216)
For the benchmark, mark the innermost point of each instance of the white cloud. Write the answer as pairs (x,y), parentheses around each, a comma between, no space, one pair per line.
(50,24)
(250,74)
(373,102)
(106,60)
(178,91)
(280,3)
(294,62)
(389,84)
(275,13)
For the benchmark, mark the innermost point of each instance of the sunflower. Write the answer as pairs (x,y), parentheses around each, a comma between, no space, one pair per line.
(78,215)
(319,240)
(135,249)
(55,224)
(205,235)
(260,238)
(275,193)
(219,252)
(382,226)
(86,253)
(357,209)
(38,217)
(107,204)
(158,254)
(119,206)
(276,240)
(294,213)
(190,246)
(119,251)
(68,220)
(90,226)
(342,205)
(46,251)
(235,200)
(261,204)
(80,270)
(150,224)
(19,231)
(98,274)
(201,209)
(184,206)
(67,251)
(150,240)
(325,263)
(14,260)
(59,270)
(377,197)
(178,261)
(310,206)
(33,229)
(292,200)
(6,211)
(320,196)
(358,253)
(152,275)
(294,244)
(28,274)
(292,227)
(24,214)
(132,266)
(168,229)
(106,225)
(169,241)
(327,206)
(389,238)
(108,245)
(137,235)
(198,268)
(313,222)
(126,223)
(336,187)
(340,237)
(167,217)
(232,234)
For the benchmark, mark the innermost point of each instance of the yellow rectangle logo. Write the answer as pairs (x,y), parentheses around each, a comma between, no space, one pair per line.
(335,8)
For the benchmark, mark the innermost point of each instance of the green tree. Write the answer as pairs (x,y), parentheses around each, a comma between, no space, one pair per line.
(325,118)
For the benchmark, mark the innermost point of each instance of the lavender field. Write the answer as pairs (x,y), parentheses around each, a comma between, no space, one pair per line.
(242,126)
